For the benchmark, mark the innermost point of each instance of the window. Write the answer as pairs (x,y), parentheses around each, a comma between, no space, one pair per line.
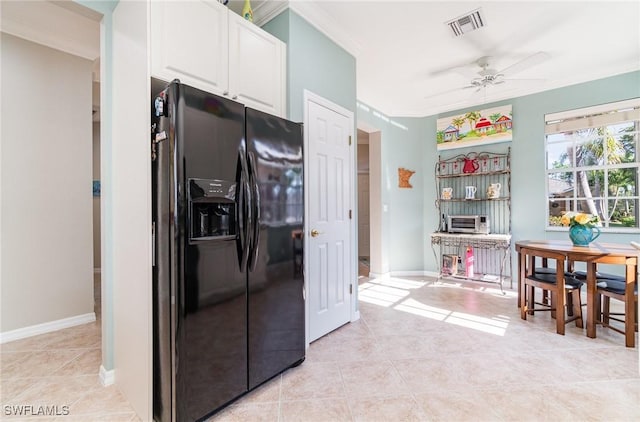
(592,164)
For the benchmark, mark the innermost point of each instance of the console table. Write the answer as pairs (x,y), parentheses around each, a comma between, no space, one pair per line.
(491,268)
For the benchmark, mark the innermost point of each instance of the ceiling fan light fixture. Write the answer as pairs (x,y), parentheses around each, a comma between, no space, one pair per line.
(466,23)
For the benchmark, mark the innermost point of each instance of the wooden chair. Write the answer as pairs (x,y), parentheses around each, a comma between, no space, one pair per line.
(546,279)
(571,294)
(616,288)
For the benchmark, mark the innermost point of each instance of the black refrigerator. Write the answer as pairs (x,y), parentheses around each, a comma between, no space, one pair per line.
(228,218)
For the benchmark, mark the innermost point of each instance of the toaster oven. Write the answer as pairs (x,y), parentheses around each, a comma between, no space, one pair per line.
(474,224)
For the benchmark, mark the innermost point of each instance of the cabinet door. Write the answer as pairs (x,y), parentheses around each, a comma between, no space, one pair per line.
(256,67)
(189,41)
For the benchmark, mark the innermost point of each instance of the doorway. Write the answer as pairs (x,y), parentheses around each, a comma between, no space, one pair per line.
(364,235)
(50,137)
(372,261)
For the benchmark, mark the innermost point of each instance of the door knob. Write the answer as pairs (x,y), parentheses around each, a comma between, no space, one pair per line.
(314,233)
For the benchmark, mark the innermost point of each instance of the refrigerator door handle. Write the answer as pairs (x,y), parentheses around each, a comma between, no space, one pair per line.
(245,218)
(256,207)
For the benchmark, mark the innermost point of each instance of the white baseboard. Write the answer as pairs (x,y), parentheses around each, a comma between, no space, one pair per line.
(417,273)
(46,327)
(355,316)
(414,274)
(407,273)
(107,377)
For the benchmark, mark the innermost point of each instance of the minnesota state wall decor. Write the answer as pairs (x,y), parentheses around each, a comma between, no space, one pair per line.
(403,177)
(474,128)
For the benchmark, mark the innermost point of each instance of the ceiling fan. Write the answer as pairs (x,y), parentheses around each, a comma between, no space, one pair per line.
(487,76)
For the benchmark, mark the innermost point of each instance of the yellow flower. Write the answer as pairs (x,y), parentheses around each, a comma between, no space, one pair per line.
(582,218)
(565,220)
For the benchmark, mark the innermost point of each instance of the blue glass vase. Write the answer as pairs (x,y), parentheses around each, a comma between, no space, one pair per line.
(583,235)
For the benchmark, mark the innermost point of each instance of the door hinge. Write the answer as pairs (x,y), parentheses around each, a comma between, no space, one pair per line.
(350,215)
(350,289)
(349,140)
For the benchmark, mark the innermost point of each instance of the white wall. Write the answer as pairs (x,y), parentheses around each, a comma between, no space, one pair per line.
(47,261)
(131,195)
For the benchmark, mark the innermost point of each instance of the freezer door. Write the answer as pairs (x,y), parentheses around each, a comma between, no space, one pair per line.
(276,281)
(211,327)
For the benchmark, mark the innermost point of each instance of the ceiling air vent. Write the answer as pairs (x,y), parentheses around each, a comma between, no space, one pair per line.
(466,23)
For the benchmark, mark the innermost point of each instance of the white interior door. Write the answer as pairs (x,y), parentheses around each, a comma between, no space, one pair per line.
(363,214)
(329,223)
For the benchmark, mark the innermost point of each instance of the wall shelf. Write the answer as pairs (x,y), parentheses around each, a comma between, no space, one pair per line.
(490,251)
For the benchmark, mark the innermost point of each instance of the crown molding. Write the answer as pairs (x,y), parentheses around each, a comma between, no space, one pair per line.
(316,16)
(324,23)
(267,10)
(319,19)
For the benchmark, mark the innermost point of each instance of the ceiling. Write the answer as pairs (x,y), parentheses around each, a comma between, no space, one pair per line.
(408,61)
(63,25)
(403,49)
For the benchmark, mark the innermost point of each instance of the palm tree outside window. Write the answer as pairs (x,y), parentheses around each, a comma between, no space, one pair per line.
(593,164)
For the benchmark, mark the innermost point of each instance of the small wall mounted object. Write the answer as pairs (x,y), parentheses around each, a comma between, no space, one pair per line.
(474,128)
(403,177)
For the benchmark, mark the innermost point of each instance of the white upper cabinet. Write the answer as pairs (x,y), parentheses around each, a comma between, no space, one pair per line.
(190,41)
(206,45)
(257,66)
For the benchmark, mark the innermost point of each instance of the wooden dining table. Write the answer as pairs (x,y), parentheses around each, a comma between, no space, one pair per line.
(592,255)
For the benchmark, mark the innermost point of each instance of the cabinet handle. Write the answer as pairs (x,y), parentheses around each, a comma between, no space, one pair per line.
(235,97)
(225,93)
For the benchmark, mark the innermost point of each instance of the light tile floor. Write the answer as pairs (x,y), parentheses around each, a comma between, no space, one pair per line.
(422,351)
(54,376)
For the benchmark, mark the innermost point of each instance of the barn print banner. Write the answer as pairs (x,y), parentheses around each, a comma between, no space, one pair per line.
(475,128)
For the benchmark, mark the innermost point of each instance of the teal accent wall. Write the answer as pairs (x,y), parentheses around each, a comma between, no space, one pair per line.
(404,226)
(528,212)
(106,89)
(412,214)
(314,63)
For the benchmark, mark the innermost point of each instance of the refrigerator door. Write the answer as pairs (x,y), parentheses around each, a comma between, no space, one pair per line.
(210,313)
(276,281)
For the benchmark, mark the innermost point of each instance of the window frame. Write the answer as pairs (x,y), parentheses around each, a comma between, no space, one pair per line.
(595,117)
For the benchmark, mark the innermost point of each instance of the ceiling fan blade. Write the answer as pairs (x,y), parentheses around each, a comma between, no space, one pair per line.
(449,91)
(525,63)
(524,80)
(466,71)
